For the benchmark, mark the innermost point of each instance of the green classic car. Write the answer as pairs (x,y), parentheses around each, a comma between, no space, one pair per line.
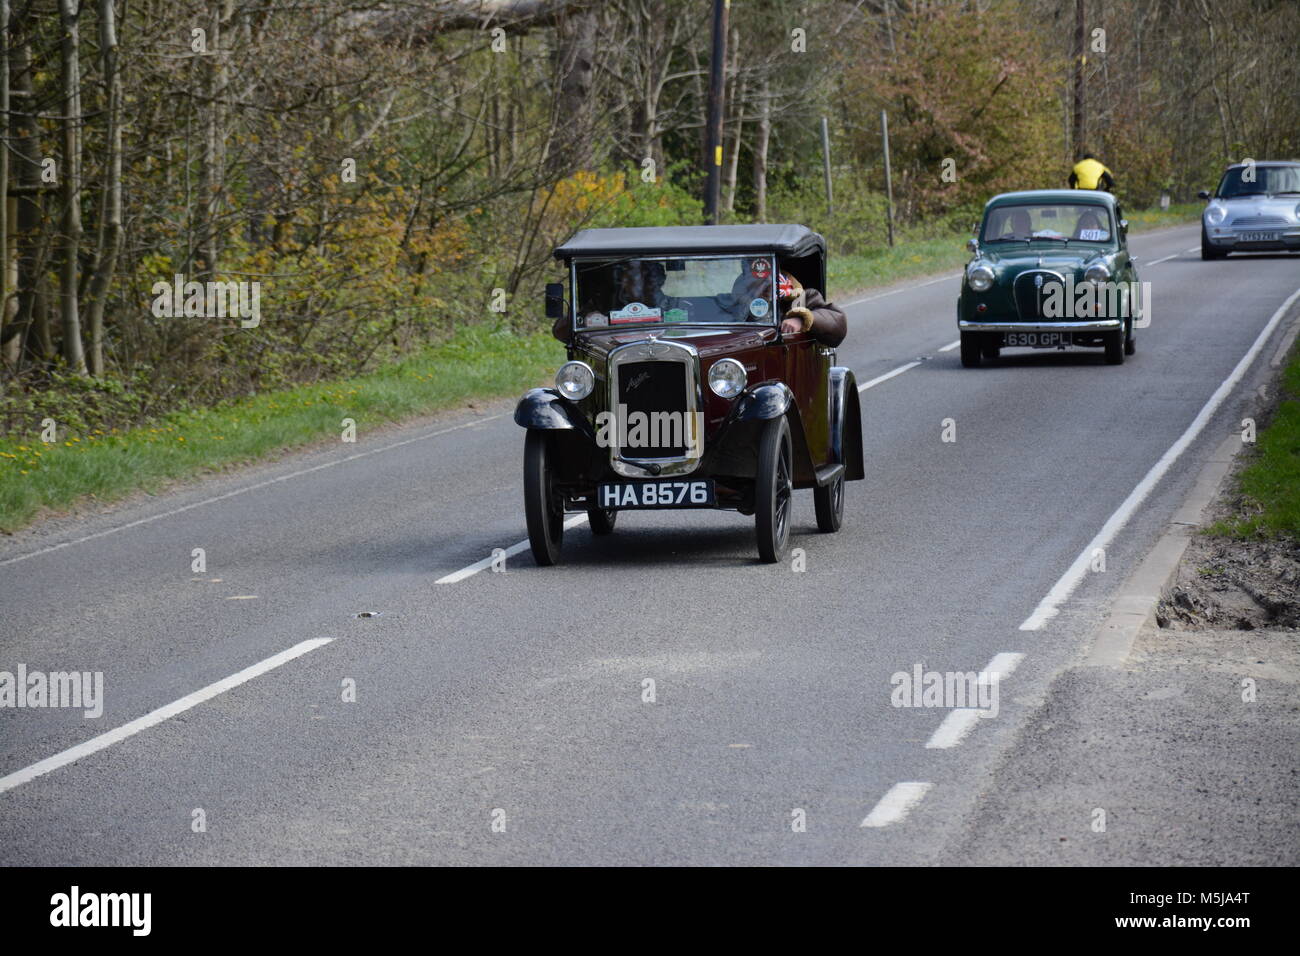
(1051,270)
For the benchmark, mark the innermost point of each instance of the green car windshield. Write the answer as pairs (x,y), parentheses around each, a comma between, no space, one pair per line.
(1072,222)
(699,290)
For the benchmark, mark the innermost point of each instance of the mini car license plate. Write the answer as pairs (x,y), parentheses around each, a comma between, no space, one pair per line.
(655,494)
(1260,236)
(1038,340)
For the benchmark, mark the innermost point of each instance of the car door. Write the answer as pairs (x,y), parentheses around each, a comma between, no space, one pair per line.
(807,373)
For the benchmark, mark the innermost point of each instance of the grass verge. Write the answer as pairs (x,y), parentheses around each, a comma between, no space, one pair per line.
(478,363)
(1268,486)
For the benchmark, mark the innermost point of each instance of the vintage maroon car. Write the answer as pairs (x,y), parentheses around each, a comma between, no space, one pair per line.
(682,392)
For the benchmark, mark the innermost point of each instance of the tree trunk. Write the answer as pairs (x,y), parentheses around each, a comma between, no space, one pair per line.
(110,225)
(70,186)
(575,56)
(737,110)
(764,133)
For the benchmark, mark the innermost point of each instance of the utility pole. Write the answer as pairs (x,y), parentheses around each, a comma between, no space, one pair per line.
(826,167)
(713,133)
(889,180)
(1080,60)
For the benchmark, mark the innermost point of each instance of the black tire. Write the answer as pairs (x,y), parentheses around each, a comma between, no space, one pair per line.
(828,501)
(1130,346)
(1208,251)
(1115,347)
(992,346)
(970,349)
(601,520)
(774,490)
(544,513)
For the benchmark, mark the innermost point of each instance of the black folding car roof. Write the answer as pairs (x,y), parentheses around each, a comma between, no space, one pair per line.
(784,240)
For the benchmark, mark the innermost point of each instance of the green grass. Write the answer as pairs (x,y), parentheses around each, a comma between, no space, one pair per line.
(1269,484)
(477,363)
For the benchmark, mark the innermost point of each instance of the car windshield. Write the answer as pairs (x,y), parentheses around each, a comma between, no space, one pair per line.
(698,290)
(1067,222)
(1259,181)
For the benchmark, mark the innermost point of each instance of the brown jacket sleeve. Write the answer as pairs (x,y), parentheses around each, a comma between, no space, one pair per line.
(830,324)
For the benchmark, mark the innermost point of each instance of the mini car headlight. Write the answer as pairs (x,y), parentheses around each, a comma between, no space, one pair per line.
(1214,214)
(575,380)
(980,277)
(1297,210)
(727,378)
(1097,273)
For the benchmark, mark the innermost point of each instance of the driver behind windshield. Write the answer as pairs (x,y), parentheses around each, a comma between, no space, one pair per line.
(802,309)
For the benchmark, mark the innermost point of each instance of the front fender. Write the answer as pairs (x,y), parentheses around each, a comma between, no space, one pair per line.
(846,423)
(764,402)
(547,409)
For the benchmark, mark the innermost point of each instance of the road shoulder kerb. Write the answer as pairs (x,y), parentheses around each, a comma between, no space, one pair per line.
(1134,606)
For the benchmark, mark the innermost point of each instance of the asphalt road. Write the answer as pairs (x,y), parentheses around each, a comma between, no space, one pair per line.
(522,692)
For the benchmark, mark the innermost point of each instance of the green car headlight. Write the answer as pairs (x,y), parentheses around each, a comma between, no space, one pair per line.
(980,277)
(575,380)
(1097,273)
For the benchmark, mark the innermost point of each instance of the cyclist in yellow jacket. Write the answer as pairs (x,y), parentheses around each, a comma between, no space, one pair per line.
(1089,173)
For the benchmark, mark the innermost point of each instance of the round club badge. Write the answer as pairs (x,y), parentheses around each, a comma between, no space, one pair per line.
(758,308)
(760,268)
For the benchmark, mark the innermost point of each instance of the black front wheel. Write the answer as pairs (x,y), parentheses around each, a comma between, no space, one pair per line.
(992,346)
(542,507)
(774,490)
(971,349)
(1115,347)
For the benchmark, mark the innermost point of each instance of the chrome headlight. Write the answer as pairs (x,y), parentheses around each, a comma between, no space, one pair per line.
(575,380)
(1214,214)
(1097,273)
(727,378)
(980,277)
(1297,210)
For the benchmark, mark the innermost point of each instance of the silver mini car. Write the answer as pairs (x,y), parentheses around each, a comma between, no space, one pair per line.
(1255,208)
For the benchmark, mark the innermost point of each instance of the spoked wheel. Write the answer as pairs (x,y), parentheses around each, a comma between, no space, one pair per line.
(971,348)
(774,490)
(828,500)
(601,520)
(542,507)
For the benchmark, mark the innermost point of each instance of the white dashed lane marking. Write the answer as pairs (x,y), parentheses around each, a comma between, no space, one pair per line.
(895,805)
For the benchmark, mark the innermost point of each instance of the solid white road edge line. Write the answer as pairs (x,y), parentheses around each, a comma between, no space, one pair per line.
(896,804)
(154,717)
(240,491)
(962,720)
(1049,606)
